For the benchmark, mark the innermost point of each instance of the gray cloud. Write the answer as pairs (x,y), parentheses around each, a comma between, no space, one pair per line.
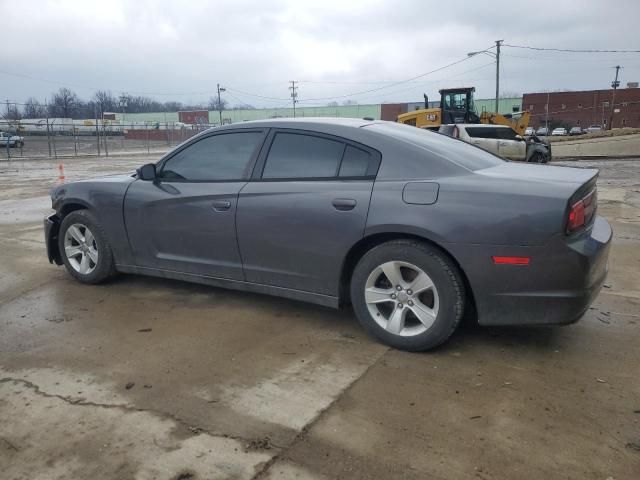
(183,49)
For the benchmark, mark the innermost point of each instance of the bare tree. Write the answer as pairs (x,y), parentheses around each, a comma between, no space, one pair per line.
(33,109)
(106,101)
(213,104)
(172,106)
(64,103)
(13,113)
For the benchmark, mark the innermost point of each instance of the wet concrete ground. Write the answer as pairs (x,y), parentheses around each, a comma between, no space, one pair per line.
(156,379)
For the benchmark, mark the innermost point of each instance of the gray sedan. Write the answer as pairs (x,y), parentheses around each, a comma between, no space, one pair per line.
(412,228)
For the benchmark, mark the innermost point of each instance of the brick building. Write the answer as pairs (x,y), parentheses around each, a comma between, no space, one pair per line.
(584,108)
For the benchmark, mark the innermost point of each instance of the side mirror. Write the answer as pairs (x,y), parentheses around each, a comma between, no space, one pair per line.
(147,172)
(519,138)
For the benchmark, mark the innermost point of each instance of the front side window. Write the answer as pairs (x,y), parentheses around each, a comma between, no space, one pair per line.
(482,132)
(506,134)
(295,155)
(216,158)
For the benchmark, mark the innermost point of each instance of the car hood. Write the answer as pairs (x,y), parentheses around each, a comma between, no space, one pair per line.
(119,178)
(529,172)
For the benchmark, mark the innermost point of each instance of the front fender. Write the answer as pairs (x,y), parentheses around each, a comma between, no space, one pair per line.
(105,198)
(51,229)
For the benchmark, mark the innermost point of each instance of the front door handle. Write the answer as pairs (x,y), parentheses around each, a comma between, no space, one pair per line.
(344,204)
(221,205)
(503,144)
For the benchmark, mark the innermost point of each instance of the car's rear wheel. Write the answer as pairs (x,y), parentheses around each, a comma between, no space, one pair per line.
(84,248)
(408,294)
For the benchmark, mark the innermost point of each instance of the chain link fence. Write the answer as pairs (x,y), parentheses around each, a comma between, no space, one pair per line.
(60,138)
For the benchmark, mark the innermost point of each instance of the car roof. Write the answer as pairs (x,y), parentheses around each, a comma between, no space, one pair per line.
(307,122)
(479,125)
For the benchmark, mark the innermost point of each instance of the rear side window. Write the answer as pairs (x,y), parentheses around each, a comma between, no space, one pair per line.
(215,158)
(355,162)
(295,155)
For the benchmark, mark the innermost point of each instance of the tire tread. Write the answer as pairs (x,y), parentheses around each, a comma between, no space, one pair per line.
(449,269)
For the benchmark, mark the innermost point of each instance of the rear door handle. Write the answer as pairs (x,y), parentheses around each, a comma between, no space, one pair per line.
(221,205)
(344,204)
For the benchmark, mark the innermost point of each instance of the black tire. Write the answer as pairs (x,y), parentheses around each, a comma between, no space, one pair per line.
(104,267)
(538,157)
(445,277)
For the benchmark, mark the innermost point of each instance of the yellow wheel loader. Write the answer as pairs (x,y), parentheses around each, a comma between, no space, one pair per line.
(457,106)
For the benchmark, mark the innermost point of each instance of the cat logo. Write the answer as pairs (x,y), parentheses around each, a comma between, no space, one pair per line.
(432,117)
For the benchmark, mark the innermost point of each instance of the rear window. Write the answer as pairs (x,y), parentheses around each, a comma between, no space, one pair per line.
(454,150)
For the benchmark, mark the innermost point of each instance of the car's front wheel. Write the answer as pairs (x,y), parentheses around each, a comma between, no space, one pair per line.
(538,157)
(84,248)
(408,294)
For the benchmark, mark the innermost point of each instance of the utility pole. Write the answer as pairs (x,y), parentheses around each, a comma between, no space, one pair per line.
(46,112)
(498,43)
(220,102)
(123,104)
(615,84)
(294,95)
(546,121)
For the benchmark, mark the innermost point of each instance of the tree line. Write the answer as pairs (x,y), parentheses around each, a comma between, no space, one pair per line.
(65,103)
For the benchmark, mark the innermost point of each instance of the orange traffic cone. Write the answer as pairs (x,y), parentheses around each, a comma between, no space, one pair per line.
(61,176)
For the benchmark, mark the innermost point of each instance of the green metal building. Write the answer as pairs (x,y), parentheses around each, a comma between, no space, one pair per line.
(375,111)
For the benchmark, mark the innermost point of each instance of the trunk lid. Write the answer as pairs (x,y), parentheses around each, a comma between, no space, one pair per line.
(572,177)
(575,187)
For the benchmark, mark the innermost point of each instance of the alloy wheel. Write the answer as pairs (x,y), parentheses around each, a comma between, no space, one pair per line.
(401,298)
(81,249)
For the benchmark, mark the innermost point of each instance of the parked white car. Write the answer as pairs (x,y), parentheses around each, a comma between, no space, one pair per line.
(529,131)
(501,140)
(559,132)
(594,128)
(12,140)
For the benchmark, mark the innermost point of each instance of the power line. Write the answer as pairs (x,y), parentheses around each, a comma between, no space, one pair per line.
(419,85)
(353,94)
(258,96)
(571,50)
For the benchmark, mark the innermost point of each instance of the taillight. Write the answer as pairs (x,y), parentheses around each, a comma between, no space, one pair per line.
(582,211)
(576,216)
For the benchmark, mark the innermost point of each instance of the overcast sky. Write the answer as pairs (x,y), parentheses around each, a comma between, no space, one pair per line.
(179,50)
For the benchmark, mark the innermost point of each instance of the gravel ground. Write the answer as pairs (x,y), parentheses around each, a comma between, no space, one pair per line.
(156,379)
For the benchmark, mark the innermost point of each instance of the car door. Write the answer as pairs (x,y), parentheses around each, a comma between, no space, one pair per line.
(184,221)
(511,145)
(484,137)
(305,207)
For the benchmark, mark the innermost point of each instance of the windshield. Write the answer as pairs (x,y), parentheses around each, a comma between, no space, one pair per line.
(454,150)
